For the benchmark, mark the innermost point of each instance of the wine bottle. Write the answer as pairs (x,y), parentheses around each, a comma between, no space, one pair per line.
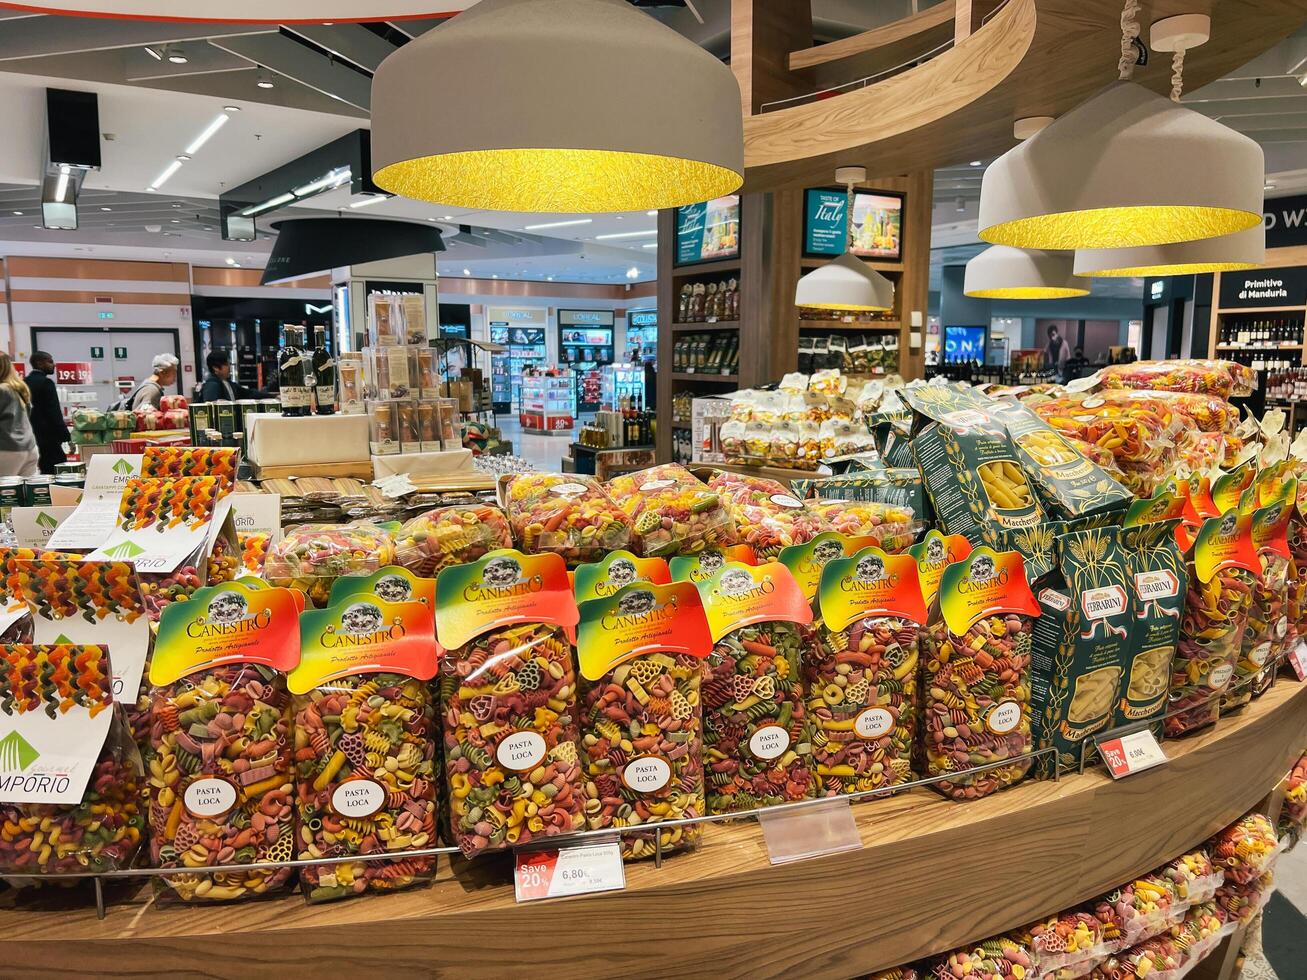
(293,372)
(324,374)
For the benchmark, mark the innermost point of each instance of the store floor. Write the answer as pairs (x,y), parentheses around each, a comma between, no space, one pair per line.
(546,452)
(1284,923)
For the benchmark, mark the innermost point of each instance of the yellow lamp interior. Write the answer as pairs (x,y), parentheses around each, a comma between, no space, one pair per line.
(1028,292)
(847,308)
(557,181)
(1177,269)
(1119,227)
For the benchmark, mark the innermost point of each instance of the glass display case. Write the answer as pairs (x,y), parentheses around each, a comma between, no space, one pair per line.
(623,384)
(523,332)
(548,402)
(642,336)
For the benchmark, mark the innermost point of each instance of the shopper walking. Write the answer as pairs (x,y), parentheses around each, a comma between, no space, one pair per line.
(46,415)
(18,456)
(1057,351)
(150,391)
(219,386)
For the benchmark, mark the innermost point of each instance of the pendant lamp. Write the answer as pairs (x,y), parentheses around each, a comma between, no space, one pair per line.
(846,284)
(1126,168)
(557,106)
(1229,253)
(1001,272)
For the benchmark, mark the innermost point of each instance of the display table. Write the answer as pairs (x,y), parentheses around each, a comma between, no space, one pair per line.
(932,874)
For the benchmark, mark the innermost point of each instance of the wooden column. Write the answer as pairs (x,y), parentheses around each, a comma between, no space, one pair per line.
(968,16)
(914,285)
(763,33)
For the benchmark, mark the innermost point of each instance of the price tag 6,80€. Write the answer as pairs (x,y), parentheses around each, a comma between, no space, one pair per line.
(1129,754)
(558,871)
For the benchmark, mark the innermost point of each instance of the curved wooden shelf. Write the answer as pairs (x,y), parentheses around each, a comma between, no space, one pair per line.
(1032,58)
(876,50)
(932,874)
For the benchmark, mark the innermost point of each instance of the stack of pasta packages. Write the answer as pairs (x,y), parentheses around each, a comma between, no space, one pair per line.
(1159,926)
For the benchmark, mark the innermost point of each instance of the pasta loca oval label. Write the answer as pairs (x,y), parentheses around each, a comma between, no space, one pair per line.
(358,798)
(521,751)
(874,723)
(1220,676)
(653,485)
(1004,718)
(209,797)
(785,500)
(769,742)
(567,489)
(647,774)
(1259,653)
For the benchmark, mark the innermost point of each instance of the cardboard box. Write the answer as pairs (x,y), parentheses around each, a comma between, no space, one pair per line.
(276,440)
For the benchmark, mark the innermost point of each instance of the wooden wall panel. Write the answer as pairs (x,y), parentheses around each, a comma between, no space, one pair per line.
(228,276)
(51,268)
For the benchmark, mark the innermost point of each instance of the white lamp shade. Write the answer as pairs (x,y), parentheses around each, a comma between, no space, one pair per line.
(847,285)
(1002,272)
(557,106)
(1126,168)
(1229,253)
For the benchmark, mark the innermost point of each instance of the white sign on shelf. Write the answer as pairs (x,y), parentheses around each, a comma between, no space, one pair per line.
(1126,755)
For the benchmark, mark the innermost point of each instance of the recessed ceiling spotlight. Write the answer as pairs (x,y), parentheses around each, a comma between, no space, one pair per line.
(264,79)
(230,260)
(175,221)
(231,108)
(176,204)
(652,214)
(977,163)
(177,56)
(494,276)
(153,54)
(106,209)
(633,273)
(549,278)
(183,157)
(19,213)
(467,272)
(1269,186)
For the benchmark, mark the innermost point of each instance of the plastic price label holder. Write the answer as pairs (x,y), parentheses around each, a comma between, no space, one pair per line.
(805,832)
(1298,657)
(556,872)
(1128,754)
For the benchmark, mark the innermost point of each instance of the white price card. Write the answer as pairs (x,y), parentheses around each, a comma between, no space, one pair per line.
(1298,657)
(1126,755)
(556,872)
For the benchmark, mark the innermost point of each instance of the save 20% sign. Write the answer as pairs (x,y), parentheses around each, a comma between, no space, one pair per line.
(558,872)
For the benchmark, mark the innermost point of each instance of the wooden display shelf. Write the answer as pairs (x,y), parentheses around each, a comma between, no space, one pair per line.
(1258,350)
(805,324)
(932,874)
(880,265)
(706,268)
(706,325)
(727,378)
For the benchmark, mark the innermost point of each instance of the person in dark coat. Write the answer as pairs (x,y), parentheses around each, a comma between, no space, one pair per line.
(46,413)
(218,386)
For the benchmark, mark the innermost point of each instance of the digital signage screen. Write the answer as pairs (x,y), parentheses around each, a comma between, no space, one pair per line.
(708,231)
(877,223)
(964,344)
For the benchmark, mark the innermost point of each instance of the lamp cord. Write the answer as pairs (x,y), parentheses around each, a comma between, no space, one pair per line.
(1129,32)
(1177,74)
(848,203)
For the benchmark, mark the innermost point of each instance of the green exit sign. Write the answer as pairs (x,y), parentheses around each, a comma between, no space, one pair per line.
(97,353)
(120,353)
(105,314)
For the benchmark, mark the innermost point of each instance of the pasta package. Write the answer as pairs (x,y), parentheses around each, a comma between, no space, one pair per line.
(601,579)
(672,511)
(564,514)
(1245,850)
(862,675)
(870,480)
(1293,816)
(1070,485)
(1140,443)
(976,674)
(365,724)
(892,527)
(1221,378)
(1263,645)
(71,793)
(312,556)
(1222,567)
(221,787)
(970,465)
(1158,580)
(757,736)
(767,516)
(451,536)
(1080,644)
(640,652)
(508,693)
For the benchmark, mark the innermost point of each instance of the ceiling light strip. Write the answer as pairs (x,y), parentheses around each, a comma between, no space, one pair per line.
(627,234)
(219,121)
(168,171)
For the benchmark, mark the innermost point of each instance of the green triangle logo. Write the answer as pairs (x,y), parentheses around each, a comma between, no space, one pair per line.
(123,467)
(128,549)
(16,753)
(62,639)
(44,519)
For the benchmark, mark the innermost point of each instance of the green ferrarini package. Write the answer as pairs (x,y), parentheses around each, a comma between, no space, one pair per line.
(969,464)
(1158,580)
(1081,643)
(1069,485)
